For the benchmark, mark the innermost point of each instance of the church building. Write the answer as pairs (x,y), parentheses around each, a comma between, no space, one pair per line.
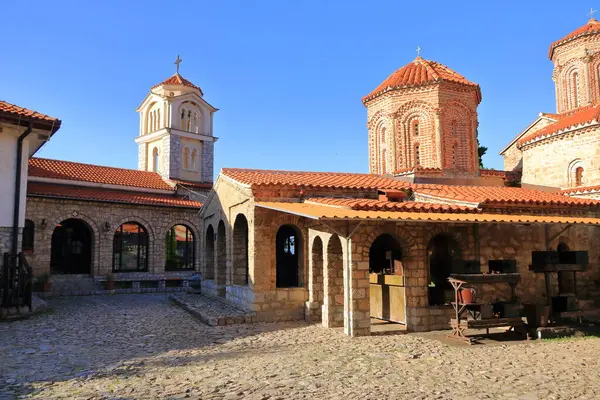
(337,249)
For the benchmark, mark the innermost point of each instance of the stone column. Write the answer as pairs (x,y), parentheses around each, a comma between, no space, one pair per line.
(333,287)
(357,314)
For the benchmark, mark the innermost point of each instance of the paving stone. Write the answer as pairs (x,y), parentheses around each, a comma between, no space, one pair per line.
(145,347)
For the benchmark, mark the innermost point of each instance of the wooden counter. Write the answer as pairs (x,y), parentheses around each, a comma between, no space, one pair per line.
(387,297)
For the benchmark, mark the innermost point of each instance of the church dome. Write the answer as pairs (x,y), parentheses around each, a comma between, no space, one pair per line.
(420,72)
(591,28)
(177,79)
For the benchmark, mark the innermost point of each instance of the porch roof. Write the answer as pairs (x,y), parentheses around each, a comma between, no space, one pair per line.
(324,212)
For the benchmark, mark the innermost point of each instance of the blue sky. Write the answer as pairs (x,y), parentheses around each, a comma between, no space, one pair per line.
(288,77)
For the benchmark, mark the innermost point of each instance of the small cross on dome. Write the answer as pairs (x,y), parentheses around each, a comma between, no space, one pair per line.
(591,13)
(419,51)
(177,62)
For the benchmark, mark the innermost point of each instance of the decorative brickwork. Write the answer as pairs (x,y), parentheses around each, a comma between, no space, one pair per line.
(432,125)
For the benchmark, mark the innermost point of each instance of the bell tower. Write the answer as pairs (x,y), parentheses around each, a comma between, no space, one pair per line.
(176,131)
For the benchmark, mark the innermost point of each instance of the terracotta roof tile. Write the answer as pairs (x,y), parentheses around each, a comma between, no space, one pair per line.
(177,80)
(568,120)
(321,212)
(581,190)
(491,195)
(105,195)
(256,177)
(418,73)
(592,27)
(196,185)
(377,205)
(72,171)
(24,112)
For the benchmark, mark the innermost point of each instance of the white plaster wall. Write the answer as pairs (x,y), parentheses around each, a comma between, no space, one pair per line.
(8,165)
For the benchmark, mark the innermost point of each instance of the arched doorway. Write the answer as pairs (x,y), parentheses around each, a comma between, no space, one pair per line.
(386,290)
(287,256)
(442,251)
(209,254)
(221,272)
(385,256)
(71,248)
(240,251)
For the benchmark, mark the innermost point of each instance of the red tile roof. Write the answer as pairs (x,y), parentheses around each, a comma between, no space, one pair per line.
(194,185)
(377,205)
(177,80)
(36,189)
(24,112)
(592,27)
(581,190)
(418,73)
(568,120)
(497,196)
(340,180)
(72,171)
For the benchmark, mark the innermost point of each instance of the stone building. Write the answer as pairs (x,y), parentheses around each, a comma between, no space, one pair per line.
(559,151)
(85,222)
(334,248)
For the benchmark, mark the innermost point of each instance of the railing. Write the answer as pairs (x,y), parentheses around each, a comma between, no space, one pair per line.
(16,282)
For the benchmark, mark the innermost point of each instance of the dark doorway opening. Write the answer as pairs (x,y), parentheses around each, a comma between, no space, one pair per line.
(288,246)
(442,251)
(71,250)
(385,256)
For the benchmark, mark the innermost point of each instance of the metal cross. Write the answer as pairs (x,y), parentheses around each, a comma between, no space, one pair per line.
(592,12)
(419,51)
(177,62)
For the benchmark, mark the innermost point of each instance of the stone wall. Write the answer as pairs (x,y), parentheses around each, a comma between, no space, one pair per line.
(552,162)
(6,238)
(103,219)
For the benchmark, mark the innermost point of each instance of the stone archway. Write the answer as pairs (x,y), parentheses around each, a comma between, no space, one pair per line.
(71,247)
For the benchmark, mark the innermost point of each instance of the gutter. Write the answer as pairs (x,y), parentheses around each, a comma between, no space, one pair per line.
(17,198)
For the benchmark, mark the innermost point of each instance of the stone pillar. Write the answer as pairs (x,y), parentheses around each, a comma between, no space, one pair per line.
(357,313)
(312,308)
(207,161)
(333,286)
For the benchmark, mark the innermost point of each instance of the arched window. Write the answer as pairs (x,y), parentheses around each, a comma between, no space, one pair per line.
(130,248)
(454,160)
(180,249)
(28,236)
(194,159)
(416,128)
(578,176)
(183,123)
(417,155)
(575,90)
(287,245)
(155,159)
(383,147)
(186,156)
(196,127)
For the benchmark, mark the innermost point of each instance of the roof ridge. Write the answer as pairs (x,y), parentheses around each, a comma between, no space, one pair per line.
(96,165)
(283,171)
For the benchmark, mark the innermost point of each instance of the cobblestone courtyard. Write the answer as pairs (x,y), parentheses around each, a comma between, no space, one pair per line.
(144,347)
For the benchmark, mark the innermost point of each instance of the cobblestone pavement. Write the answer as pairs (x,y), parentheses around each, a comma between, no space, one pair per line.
(144,347)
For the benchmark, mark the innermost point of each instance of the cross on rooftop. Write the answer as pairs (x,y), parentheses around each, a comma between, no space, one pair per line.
(592,12)
(419,51)
(177,62)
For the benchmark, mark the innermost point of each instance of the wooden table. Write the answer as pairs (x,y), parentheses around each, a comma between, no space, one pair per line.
(461,322)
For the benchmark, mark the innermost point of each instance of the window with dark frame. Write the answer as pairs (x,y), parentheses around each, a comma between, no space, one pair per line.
(179,248)
(28,236)
(130,248)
